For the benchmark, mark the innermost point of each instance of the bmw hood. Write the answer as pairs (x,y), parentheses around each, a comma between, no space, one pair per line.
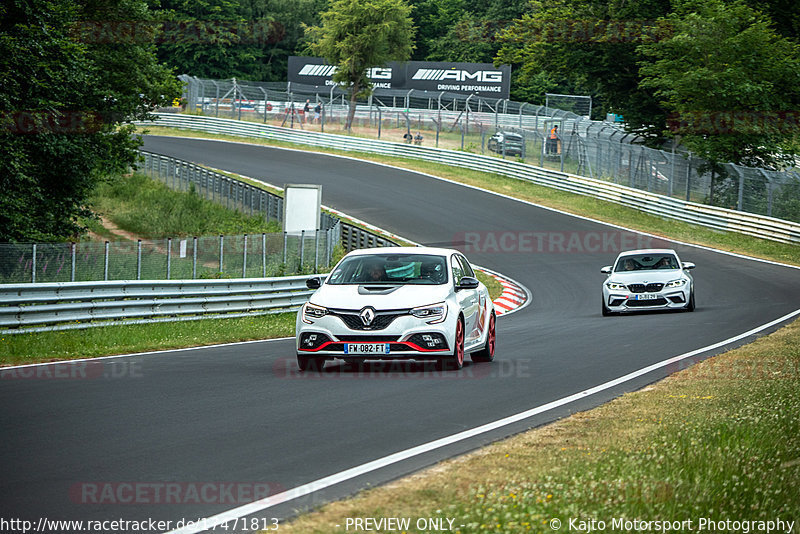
(646,277)
(380,297)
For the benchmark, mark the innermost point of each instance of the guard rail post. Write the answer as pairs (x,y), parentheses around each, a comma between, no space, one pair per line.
(73,251)
(244,258)
(263,255)
(221,243)
(302,248)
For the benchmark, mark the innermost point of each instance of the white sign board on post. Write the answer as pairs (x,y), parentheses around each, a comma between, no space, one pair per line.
(301,208)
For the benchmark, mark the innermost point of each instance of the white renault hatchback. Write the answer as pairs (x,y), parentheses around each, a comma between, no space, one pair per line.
(648,279)
(417,303)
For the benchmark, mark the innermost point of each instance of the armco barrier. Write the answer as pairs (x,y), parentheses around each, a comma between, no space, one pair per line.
(690,212)
(70,305)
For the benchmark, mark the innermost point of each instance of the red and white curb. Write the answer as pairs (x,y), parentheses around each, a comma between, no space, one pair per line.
(515,296)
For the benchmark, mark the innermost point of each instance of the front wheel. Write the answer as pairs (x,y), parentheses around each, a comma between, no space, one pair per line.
(456,360)
(486,354)
(606,311)
(690,305)
(310,363)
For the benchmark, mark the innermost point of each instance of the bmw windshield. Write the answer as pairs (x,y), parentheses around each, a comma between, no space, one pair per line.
(646,262)
(418,269)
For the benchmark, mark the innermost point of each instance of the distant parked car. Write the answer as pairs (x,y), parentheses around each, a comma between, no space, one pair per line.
(408,303)
(648,279)
(513,144)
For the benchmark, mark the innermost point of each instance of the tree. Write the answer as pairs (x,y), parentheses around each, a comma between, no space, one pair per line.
(730,82)
(222,38)
(590,47)
(357,35)
(68,90)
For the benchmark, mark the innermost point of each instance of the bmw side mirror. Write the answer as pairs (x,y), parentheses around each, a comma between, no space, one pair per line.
(467,282)
(687,265)
(606,269)
(313,283)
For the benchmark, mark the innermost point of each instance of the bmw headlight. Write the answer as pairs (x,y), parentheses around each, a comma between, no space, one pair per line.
(435,313)
(312,311)
(615,286)
(676,283)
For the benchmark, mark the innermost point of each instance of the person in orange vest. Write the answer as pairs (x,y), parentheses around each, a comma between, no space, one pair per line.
(552,142)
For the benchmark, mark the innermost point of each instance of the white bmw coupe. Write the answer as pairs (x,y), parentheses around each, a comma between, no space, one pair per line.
(648,279)
(417,303)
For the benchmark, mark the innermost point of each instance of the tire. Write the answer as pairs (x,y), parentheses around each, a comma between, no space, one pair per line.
(690,305)
(456,360)
(606,311)
(486,354)
(310,363)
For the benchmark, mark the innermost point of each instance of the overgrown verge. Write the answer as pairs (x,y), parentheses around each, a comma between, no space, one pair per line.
(151,210)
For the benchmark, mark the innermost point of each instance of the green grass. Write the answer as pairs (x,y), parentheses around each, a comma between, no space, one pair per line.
(719,440)
(121,339)
(568,202)
(150,209)
(495,288)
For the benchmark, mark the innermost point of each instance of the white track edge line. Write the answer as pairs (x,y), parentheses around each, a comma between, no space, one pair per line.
(343,476)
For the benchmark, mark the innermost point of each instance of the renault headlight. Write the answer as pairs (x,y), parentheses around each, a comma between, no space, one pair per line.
(312,311)
(435,313)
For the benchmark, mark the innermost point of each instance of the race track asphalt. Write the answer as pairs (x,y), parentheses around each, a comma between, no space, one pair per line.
(74,447)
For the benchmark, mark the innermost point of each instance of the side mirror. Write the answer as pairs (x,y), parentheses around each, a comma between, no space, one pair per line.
(606,269)
(313,283)
(467,282)
(687,265)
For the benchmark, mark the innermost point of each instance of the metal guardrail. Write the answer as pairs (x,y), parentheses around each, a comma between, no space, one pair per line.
(70,305)
(663,206)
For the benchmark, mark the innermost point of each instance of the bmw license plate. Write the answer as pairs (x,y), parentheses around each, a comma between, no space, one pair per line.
(645,296)
(366,348)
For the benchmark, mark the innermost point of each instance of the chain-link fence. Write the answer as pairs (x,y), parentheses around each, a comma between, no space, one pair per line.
(544,136)
(223,256)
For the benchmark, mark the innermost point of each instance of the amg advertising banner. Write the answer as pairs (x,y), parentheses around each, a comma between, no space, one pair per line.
(482,79)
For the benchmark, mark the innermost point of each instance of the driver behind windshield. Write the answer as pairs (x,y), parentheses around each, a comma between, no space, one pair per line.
(374,273)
